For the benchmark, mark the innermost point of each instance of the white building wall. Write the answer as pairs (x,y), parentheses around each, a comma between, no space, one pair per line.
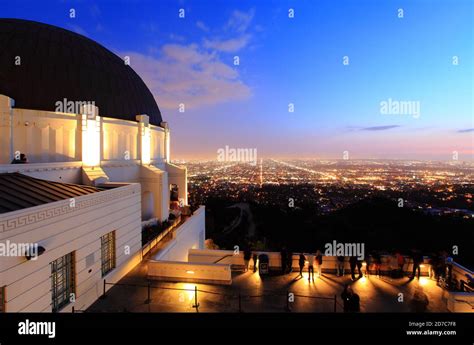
(120,140)
(62,229)
(5,129)
(157,152)
(70,172)
(56,137)
(178,176)
(190,235)
(45,136)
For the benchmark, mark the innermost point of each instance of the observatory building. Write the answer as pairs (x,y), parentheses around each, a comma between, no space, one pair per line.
(84,169)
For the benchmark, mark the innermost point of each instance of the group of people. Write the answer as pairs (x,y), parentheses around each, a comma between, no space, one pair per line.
(249,255)
(441,269)
(312,259)
(440,265)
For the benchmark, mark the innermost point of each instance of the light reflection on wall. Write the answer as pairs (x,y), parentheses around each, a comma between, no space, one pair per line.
(90,140)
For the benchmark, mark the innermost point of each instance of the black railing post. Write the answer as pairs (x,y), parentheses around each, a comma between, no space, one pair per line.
(103,293)
(196,304)
(148,300)
(240,302)
(287,300)
(335,303)
(72,309)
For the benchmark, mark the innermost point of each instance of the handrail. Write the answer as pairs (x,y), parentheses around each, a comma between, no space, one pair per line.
(467,302)
(222,258)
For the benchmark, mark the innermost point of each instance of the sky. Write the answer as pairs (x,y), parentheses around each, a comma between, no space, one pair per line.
(342,66)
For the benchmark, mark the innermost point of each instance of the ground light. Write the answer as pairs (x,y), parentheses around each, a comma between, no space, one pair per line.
(423,281)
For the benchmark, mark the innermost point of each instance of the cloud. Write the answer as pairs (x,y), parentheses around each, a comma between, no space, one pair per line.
(188,74)
(237,26)
(195,74)
(230,46)
(467,130)
(240,21)
(202,26)
(379,128)
(175,37)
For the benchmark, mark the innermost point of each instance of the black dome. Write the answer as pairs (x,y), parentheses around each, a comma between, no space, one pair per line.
(57,64)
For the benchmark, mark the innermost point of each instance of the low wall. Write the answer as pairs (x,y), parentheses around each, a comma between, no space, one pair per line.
(189,234)
(329,262)
(189,272)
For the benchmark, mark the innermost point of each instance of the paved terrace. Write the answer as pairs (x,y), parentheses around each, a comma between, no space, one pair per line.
(268,294)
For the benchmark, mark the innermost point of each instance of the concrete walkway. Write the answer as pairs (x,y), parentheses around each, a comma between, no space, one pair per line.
(269,294)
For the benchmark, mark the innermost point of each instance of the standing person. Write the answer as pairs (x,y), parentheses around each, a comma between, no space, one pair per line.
(283,258)
(359,268)
(353,263)
(400,262)
(340,266)
(433,262)
(255,258)
(302,261)
(319,262)
(417,260)
(310,267)
(247,256)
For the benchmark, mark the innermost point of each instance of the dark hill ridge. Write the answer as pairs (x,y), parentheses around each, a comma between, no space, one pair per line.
(377,222)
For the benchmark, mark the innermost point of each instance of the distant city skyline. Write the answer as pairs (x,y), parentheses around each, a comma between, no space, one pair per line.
(403,92)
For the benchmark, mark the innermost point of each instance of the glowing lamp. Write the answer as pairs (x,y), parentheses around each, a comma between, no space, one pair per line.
(145,138)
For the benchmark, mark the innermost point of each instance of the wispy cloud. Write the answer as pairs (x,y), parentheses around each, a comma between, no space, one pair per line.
(190,75)
(236,31)
(195,74)
(240,21)
(231,45)
(202,26)
(379,128)
(467,130)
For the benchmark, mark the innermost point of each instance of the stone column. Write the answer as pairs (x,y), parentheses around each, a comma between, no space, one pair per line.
(6,129)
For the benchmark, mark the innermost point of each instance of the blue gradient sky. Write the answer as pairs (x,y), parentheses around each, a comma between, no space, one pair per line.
(299,60)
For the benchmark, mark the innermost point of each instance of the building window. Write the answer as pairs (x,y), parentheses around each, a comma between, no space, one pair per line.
(62,279)
(107,245)
(2,299)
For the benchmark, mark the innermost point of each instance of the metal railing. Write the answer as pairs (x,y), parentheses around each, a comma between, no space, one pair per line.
(151,244)
(234,302)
